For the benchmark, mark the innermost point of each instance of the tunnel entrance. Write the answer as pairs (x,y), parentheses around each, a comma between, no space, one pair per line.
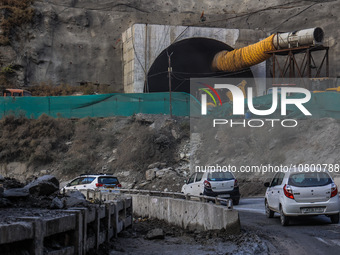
(191,58)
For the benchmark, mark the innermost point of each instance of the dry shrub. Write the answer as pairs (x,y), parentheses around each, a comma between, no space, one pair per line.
(15,13)
(35,141)
(45,89)
(48,89)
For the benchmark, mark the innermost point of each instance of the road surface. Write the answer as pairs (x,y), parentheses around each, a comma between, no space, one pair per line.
(311,235)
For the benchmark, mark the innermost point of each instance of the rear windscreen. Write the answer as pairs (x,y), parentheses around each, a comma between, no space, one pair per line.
(108,180)
(220,176)
(309,179)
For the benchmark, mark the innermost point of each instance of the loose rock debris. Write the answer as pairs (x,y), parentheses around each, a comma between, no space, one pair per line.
(150,236)
(42,192)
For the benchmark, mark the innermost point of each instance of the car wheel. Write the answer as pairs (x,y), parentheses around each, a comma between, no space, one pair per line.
(269,213)
(334,218)
(236,201)
(283,218)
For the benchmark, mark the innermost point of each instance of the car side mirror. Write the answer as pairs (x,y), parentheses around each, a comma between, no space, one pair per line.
(267,184)
(185,181)
(68,185)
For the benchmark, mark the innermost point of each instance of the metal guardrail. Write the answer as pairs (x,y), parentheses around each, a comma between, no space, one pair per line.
(111,194)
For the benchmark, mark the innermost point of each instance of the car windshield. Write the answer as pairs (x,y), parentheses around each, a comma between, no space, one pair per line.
(309,179)
(108,180)
(220,176)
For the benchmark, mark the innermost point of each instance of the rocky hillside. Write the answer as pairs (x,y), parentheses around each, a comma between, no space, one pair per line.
(154,151)
(125,146)
(76,42)
(312,142)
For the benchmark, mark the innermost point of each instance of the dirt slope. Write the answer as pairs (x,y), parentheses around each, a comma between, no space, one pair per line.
(129,146)
(125,146)
(311,142)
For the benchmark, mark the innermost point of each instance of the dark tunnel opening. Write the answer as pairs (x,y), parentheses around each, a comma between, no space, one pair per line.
(191,58)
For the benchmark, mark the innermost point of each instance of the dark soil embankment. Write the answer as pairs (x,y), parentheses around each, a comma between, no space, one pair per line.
(125,146)
(174,240)
(129,146)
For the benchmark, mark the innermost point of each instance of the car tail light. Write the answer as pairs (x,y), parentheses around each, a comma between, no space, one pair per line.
(99,185)
(288,191)
(235,183)
(334,190)
(207,184)
(119,185)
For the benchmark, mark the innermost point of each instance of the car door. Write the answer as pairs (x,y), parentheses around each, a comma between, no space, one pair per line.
(189,185)
(271,191)
(86,183)
(75,184)
(277,191)
(197,186)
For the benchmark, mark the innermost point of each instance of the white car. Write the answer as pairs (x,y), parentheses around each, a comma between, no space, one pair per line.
(93,181)
(299,192)
(215,184)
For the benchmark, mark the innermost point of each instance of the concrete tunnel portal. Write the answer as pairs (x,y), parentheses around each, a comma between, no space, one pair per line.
(202,57)
(191,58)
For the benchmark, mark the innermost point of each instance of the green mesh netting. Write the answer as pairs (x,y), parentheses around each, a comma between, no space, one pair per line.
(97,105)
(326,104)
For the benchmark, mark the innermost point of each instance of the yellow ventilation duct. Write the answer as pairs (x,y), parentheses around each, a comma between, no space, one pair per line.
(236,60)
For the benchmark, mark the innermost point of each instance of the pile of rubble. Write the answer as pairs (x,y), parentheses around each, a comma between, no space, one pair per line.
(160,176)
(150,236)
(42,192)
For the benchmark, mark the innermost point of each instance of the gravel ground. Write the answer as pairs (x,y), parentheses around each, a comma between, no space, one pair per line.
(179,241)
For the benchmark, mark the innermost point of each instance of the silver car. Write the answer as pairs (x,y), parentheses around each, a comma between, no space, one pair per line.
(92,182)
(300,192)
(214,184)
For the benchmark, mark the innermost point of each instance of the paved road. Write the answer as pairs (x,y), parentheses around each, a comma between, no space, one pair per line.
(311,235)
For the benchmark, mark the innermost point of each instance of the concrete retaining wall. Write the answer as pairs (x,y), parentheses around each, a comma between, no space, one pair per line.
(186,213)
(72,231)
(78,230)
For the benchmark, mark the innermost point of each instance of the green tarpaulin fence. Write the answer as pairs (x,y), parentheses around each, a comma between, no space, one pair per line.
(326,104)
(98,105)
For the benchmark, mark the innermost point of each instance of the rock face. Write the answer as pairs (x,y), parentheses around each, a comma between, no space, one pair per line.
(73,41)
(16,193)
(57,203)
(73,198)
(42,193)
(156,233)
(43,186)
(164,172)
(150,174)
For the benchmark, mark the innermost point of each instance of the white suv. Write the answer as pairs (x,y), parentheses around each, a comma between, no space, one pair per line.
(299,192)
(93,181)
(215,184)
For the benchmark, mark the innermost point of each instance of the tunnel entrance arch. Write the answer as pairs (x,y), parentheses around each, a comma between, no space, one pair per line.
(143,46)
(190,58)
